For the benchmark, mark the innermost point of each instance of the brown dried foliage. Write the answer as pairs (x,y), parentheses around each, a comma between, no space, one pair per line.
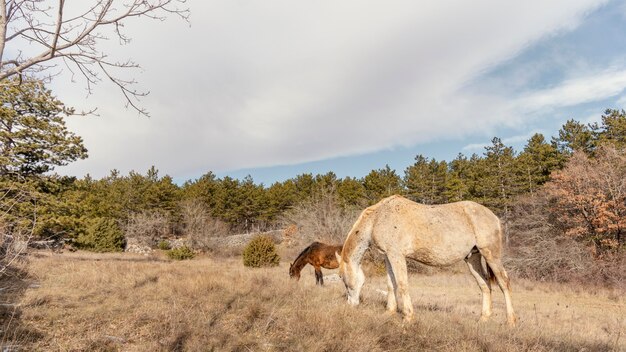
(572,230)
(588,199)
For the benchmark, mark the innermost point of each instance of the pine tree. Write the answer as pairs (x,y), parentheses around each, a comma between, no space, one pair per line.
(351,192)
(574,136)
(325,182)
(500,180)
(280,197)
(305,186)
(33,135)
(33,141)
(438,175)
(458,182)
(537,162)
(382,183)
(416,180)
(612,130)
(240,203)
(425,180)
(203,189)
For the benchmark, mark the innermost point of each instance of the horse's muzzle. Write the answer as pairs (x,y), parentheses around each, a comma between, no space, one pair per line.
(353,301)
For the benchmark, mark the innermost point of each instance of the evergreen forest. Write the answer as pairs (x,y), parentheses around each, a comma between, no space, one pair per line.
(567,189)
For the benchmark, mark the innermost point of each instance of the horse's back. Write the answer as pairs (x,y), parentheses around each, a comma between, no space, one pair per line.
(434,234)
(322,254)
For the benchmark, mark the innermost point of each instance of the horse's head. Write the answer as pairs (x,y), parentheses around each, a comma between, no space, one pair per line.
(293,272)
(353,278)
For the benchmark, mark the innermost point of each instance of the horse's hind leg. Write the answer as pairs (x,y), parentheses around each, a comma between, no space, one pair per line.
(495,264)
(319,278)
(475,267)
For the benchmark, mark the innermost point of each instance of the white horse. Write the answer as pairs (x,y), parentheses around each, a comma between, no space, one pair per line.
(436,235)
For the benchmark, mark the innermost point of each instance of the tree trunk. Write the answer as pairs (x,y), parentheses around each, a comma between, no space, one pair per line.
(3,28)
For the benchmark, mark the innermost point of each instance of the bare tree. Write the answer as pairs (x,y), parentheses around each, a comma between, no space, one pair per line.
(71,37)
(199,226)
(321,218)
(147,228)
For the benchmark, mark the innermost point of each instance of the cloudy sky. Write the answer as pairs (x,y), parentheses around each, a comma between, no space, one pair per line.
(278,88)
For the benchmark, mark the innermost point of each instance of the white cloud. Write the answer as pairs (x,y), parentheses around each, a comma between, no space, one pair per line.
(265,83)
(591,87)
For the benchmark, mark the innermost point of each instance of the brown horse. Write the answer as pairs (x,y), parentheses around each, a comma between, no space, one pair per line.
(318,254)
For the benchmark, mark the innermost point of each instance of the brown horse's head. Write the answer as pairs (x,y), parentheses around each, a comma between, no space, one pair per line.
(293,272)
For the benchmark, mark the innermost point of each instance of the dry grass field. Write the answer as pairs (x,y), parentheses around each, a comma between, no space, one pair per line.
(121,302)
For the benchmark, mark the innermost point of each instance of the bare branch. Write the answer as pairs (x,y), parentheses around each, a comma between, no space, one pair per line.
(76,39)
(57,34)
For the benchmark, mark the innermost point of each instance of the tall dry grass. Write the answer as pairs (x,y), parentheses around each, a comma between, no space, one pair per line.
(97,302)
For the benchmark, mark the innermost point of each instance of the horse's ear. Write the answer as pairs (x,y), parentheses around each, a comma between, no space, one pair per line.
(338,257)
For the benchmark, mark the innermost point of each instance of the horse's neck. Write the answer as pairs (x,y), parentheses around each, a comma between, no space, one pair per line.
(358,241)
(300,262)
(360,235)
(358,251)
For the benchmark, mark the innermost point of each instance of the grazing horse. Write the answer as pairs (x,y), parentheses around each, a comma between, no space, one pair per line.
(318,254)
(435,235)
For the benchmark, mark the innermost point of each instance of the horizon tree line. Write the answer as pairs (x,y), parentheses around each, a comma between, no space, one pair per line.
(34,139)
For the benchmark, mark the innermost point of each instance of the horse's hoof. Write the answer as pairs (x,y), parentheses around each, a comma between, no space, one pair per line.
(512,322)
(391,311)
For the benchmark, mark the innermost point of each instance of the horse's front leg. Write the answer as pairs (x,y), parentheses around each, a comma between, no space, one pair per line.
(398,267)
(392,303)
(319,278)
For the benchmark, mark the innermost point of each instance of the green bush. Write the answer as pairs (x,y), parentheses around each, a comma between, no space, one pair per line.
(260,251)
(101,235)
(180,253)
(164,245)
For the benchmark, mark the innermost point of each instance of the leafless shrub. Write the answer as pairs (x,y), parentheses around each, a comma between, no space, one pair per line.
(199,226)
(147,227)
(16,227)
(321,218)
(16,231)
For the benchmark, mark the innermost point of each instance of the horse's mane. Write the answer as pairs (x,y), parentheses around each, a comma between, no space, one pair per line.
(303,252)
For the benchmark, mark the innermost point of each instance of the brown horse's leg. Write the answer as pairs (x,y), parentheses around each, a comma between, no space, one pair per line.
(503,281)
(474,265)
(319,278)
